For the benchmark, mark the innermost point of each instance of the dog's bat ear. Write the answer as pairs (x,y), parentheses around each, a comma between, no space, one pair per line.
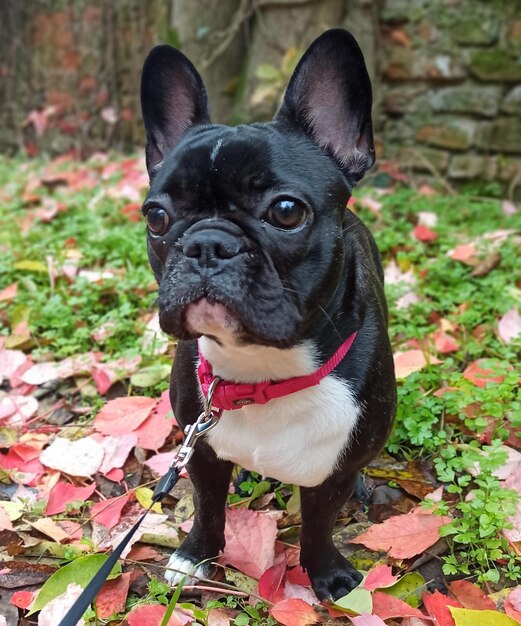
(173,99)
(329,97)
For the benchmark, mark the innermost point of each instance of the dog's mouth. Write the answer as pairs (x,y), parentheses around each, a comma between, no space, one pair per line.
(203,317)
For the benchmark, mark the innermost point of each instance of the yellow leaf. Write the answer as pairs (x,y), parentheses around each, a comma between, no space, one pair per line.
(467,617)
(144,497)
(13,509)
(32,266)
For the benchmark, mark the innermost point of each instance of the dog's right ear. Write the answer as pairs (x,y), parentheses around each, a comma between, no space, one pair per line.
(173,99)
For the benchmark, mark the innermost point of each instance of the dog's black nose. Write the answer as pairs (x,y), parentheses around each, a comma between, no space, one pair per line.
(210,246)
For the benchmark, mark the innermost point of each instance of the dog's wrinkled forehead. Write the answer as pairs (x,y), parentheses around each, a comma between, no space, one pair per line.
(240,160)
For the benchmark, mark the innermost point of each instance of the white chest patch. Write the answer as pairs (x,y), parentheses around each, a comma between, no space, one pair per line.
(296,439)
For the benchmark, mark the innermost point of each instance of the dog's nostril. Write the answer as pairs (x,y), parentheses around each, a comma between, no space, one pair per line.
(211,246)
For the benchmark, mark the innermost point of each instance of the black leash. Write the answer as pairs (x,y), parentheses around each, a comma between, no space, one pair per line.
(207,420)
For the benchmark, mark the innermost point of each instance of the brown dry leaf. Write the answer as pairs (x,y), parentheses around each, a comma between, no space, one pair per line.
(484,267)
(48,527)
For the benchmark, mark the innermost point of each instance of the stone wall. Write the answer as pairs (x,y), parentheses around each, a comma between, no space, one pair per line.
(450,87)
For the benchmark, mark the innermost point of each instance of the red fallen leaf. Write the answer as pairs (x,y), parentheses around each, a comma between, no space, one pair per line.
(116,475)
(64,493)
(106,374)
(444,343)
(297,576)
(379,577)
(424,233)
(108,512)
(154,431)
(386,606)
(250,541)
(152,614)
(403,536)
(73,529)
(144,553)
(480,373)
(9,293)
(159,463)
(471,596)
(122,415)
(294,612)
(113,595)
(465,253)
(22,599)
(23,459)
(270,583)
(437,606)
(410,361)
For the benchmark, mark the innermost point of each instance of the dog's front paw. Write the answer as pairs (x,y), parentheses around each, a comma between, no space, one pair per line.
(180,566)
(333,577)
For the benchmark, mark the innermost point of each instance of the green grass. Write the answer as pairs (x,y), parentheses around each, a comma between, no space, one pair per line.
(62,313)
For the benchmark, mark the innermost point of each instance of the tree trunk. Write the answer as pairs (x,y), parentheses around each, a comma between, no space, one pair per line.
(211,34)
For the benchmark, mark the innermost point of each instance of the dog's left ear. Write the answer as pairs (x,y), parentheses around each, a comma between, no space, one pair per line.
(173,99)
(329,97)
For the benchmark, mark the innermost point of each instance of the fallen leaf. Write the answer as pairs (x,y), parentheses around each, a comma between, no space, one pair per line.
(108,512)
(484,267)
(82,457)
(80,571)
(467,617)
(152,615)
(465,253)
(22,599)
(250,541)
(154,431)
(405,363)
(403,536)
(514,597)
(47,526)
(270,583)
(16,410)
(55,610)
(116,450)
(357,601)
(509,326)
(386,606)
(24,574)
(424,234)
(438,606)
(380,576)
(470,596)
(367,620)
(294,612)
(10,361)
(159,463)
(112,596)
(123,415)
(444,343)
(481,372)
(63,494)
(9,293)
(508,208)
(5,522)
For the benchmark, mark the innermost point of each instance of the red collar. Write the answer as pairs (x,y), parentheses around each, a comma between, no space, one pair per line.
(228,395)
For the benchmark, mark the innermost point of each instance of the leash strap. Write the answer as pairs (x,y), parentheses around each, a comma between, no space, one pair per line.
(207,420)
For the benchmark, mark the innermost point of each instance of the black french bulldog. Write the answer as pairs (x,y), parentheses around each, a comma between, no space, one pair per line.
(264,276)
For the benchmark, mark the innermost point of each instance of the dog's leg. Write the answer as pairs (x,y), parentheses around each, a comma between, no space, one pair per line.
(331,575)
(211,479)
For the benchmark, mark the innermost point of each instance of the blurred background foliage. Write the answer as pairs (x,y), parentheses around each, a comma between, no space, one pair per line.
(446,73)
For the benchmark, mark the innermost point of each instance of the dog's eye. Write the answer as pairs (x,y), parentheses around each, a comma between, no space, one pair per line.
(157,221)
(286,214)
